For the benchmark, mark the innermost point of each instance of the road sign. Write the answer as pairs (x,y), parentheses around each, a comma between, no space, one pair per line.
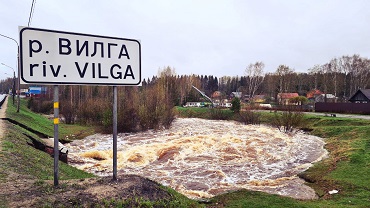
(67,58)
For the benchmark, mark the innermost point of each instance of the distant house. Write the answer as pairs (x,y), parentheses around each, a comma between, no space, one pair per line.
(216,94)
(225,105)
(24,93)
(236,94)
(283,98)
(361,96)
(329,98)
(265,106)
(259,98)
(194,104)
(312,94)
(246,98)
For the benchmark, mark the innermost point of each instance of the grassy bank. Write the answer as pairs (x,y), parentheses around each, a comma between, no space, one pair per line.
(20,160)
(26,160)
(42,123)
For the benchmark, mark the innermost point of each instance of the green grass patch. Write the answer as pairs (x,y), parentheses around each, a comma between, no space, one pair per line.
(347,167)
(244,198)
(45,125)
(19,156)
(24,159)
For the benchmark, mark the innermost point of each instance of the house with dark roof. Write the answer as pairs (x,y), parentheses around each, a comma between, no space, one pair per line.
(361,96)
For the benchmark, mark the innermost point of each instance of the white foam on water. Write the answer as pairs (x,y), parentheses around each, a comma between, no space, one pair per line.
(202,158)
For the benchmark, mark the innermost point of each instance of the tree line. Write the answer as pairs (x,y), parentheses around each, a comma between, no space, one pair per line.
(341,77)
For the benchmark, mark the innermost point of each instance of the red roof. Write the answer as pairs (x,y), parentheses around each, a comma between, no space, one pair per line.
(313,93)
(287,95)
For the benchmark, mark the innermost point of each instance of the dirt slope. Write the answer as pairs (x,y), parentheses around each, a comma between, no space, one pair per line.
(20,191)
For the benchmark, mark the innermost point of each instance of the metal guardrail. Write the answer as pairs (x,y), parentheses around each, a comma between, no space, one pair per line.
(2,99)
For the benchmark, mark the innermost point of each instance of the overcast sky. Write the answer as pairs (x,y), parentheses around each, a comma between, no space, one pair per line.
(205,37)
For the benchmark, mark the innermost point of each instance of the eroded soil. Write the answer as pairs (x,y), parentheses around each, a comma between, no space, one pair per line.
(23,191)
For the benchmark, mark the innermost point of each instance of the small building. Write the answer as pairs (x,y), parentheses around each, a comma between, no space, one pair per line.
(236,94)
(328,98)
(312,94)
(24,93)
(258,99)
(265,105)
(194,104)
(283,98)
(225,103)
(216,94)
(361,96)
(37,92)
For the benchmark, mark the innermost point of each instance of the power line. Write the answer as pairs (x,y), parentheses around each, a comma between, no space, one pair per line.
(31,12)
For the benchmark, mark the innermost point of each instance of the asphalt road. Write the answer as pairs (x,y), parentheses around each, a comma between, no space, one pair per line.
(367,117)
(340,115)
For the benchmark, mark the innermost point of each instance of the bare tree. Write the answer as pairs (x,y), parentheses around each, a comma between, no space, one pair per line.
(358,71)
(334,69)
(254,73)
(362,66)
(324,70)
(314,71)
(166,71)
(283,72)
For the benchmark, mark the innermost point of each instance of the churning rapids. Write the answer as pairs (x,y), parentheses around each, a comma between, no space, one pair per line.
(202,158)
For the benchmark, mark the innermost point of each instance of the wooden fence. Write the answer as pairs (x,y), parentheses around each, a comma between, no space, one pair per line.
(355,108)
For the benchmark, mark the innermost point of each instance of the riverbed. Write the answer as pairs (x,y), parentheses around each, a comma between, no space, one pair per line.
(203,158)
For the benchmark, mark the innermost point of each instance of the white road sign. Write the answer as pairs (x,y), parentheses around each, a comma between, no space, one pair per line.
(63,58)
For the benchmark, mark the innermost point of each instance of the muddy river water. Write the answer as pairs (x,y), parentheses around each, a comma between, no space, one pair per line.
(202,158)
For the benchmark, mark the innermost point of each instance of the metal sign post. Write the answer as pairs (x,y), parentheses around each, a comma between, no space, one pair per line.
(56,136)
(114,132)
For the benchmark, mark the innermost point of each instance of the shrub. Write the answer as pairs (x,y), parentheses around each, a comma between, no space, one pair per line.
(167,118)
(219,114)
(40,105)
(236,105)
(288,119)
(93,111)
(68,111)
(150,107)
(249,117)
(128,120)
